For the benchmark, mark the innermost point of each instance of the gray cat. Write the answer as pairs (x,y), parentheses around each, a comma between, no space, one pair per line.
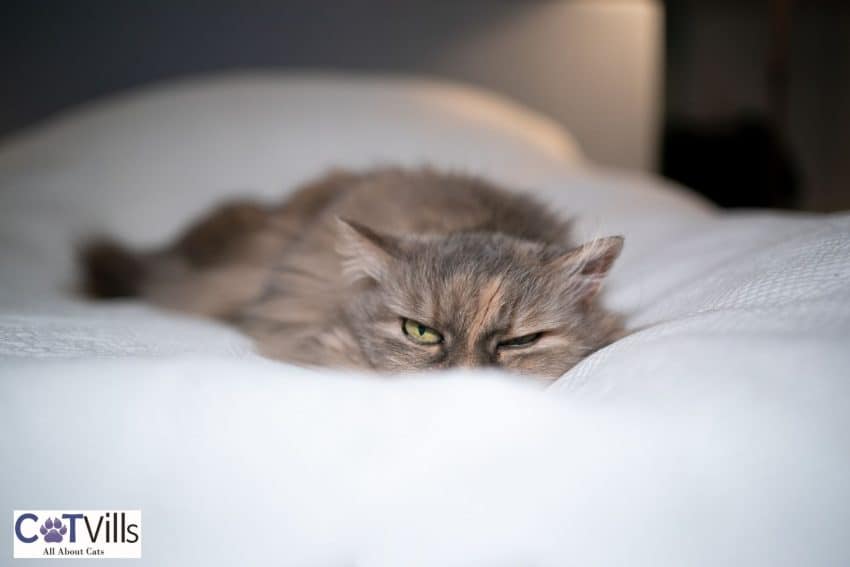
(391,269)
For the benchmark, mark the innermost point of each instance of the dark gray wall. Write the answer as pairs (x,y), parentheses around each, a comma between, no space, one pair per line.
(54,54)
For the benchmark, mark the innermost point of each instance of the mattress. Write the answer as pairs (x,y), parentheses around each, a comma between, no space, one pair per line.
(715,433)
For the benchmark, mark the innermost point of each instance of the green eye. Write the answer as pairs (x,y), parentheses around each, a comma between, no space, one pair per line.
(420,333)
(520,342)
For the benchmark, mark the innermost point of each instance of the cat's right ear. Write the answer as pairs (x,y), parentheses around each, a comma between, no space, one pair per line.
(587,265)
(365,253)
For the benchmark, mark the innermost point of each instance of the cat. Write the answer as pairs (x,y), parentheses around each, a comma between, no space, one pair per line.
(388,269)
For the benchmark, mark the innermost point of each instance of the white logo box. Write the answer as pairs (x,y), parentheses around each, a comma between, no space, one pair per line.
(77,534)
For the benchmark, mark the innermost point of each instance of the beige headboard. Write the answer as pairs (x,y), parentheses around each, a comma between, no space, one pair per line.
(595,65)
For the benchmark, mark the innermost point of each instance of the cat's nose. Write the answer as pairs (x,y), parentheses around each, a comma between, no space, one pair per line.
(470,360)
(460,360)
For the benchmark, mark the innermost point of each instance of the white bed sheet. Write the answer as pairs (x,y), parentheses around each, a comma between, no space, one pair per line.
(715,434)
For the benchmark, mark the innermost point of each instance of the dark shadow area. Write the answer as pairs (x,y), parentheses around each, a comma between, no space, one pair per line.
(742,162)
(757,105)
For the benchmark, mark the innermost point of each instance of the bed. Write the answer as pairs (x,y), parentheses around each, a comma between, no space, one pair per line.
(715,433)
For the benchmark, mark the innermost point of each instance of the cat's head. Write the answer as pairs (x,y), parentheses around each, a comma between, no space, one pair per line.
(476,299)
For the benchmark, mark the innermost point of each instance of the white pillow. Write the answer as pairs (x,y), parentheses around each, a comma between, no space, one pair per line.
(170,150)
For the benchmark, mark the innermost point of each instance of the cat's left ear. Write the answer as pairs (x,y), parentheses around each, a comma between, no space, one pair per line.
(585,267)
(365,252)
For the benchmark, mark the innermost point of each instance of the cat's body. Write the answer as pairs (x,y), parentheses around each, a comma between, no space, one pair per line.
(390,269)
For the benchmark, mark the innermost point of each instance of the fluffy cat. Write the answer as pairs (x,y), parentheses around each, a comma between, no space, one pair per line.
(390,269)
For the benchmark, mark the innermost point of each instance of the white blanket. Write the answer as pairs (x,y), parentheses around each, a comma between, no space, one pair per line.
(715,434)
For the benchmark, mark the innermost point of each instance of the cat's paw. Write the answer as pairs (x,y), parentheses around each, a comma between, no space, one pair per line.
(53,530)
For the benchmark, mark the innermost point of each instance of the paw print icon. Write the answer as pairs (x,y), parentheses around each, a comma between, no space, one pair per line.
(53,530)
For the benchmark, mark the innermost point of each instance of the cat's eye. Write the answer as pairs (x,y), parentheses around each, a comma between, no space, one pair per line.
(520,342)
(420,333)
